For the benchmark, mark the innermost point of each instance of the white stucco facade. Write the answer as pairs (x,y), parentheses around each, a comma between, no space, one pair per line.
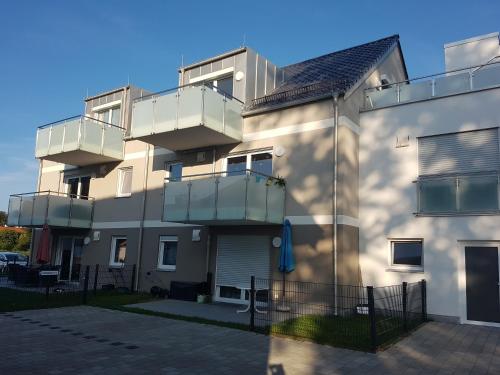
(388,196)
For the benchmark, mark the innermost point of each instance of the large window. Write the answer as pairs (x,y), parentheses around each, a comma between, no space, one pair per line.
(167,253)
(261,162)
(124,188)
(406,255)
(109,115)
(78,187)
(118,251)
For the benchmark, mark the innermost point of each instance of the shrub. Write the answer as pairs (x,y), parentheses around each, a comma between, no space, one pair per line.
(8,239)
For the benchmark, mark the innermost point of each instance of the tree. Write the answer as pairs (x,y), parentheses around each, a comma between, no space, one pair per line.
(23,242)
(8,239)
(3,218)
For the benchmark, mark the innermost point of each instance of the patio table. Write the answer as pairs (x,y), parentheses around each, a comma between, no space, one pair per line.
(256,289)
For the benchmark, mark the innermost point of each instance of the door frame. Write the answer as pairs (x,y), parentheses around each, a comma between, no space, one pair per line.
(59,255)
(462,290)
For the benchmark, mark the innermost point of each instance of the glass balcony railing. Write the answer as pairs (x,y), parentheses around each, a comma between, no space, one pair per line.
(187,117)
(54,209)
(474,194)
(435,86)
(80,141)
(239,198)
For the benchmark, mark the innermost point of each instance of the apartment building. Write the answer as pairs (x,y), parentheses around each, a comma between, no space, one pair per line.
(429,193)
(200,178)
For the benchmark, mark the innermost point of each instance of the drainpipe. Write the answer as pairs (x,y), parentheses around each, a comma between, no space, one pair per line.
(141,225)
(334,208)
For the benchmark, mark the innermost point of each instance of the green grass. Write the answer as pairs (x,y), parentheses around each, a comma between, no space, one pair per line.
(15,300)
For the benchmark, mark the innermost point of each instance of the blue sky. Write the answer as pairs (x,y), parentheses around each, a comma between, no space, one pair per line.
(54,52)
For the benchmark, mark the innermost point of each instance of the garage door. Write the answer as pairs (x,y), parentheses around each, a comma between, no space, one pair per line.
(239,258)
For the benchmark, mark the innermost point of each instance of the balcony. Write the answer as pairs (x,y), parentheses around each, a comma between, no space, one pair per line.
(187,117)
(54,209)
(459,195)
(80,141)
(435,86)
(218,199)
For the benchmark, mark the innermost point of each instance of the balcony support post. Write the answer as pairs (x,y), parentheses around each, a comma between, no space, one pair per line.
(50,140)
(70,210)
(32,208)
(189,200)
(63,137)
(79,141)
(224,101)
(47,209)
(246,195)
(103,130)
(216,197)
(203,89)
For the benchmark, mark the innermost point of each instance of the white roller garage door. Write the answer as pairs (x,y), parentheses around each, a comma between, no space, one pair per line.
(240,257)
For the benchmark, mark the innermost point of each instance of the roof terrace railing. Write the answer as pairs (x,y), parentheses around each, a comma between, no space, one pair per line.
(434,86)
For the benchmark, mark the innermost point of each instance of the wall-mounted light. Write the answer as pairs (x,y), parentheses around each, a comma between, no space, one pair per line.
(239,75)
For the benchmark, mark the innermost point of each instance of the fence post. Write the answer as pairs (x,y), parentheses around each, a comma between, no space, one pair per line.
(132,282)
(423,292)
(86,284)
(405,306)
(96,278)
(372,318)
(252,303)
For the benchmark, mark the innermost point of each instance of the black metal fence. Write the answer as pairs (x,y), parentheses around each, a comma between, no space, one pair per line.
(80,284)
(341,315)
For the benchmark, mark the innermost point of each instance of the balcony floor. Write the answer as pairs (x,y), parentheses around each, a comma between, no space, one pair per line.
(188,138)
(79,158)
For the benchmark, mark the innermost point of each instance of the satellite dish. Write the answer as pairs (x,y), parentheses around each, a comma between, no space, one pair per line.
(86,240)
(239,75)
(277,241)
(279,151)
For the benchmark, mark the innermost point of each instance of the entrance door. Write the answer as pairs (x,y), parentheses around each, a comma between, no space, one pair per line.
(482,283)
(70,255)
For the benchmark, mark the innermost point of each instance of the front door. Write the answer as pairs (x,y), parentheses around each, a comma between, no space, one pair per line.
(70,255)
(482,283)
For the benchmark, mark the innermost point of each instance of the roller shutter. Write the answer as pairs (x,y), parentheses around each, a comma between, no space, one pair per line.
(465,152)
(240,257)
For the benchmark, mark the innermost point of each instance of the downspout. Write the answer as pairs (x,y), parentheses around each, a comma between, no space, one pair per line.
(39,181)
(141,225)
(334,192)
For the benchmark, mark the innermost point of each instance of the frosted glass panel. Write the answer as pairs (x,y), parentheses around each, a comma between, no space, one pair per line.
(14,211)
(142,118)
(165,113)
(438,196)
(56,139)
(415,91)
(380,98)
(92,133)
(202,199)
(231,198)
(256,198)
(113,142)
(190,107)
(42,143)
(452,84)
(71,135)
(39,209)
(214,110)
(486,77)
(58,212)
(478,193)
(233,120)
(275,204)
(176,201)
(26,210)
(81,213)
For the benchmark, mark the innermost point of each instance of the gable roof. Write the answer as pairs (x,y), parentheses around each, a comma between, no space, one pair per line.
(334,72)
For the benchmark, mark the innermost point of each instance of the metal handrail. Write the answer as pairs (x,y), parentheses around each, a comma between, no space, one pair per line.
(163,92)
(50,192)
(373,88)
(80,116)
(223,174)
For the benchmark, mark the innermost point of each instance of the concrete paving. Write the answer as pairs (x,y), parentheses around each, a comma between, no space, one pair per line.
(88,340)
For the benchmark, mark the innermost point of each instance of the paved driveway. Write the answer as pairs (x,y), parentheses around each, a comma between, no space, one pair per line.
(87,340)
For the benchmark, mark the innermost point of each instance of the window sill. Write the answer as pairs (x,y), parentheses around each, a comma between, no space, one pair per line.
(405,270)
(166,269)
(123,196)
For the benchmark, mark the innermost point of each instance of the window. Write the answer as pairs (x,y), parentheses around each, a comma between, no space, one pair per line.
(223,85)
(124,182)
(78,187)
(167,253)
(118,251)
(261,162)
(406,255)
(109,115)
(174,171)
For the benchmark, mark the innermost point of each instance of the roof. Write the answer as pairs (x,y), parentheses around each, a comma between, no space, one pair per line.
(334,72)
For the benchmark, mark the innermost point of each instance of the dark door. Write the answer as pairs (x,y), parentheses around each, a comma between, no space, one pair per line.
(481,273)
(66,251)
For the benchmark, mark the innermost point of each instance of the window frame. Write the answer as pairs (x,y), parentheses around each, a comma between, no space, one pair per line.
(159,264)
(79,189)
(107,111)
(112,253)
(248,156)
(119,183)
(405,267)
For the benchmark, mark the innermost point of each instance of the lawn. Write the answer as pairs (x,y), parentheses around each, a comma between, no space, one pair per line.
(14,300)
